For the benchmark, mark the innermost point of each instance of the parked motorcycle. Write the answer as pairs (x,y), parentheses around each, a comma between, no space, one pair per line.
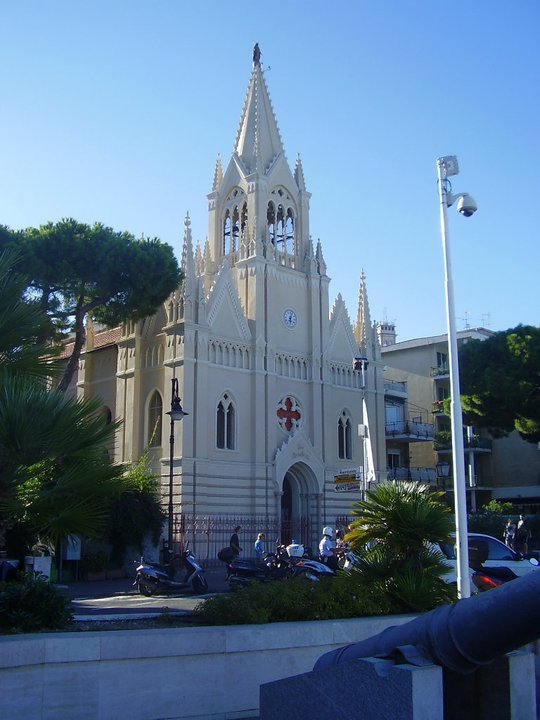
(158,579)
(241,572)
(301,563)
(285,562)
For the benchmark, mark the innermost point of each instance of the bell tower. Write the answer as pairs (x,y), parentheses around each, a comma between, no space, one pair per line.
(258,207)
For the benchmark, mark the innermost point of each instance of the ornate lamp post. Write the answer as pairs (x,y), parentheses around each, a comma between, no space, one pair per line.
(176,413)
(447,166)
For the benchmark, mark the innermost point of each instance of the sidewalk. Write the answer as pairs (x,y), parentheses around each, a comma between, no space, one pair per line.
(81,589)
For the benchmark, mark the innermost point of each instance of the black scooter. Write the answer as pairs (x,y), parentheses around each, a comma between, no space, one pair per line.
(241,573)
(276,566)
(158,579)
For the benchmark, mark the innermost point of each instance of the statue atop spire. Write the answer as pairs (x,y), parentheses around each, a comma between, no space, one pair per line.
(256,55)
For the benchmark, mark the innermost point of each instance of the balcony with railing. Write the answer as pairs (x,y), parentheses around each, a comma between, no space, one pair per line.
(440,372)
(438,407)
(395,388)
(416,474)
(410,431)
(443,442)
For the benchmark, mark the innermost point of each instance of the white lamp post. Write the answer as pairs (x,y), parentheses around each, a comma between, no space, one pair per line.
(447,166)
(360,364)
(176,413)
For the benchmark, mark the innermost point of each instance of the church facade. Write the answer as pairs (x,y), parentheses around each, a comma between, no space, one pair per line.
(264,366)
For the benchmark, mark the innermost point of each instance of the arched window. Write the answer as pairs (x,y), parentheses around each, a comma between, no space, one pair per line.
(225,424)
(271,222)
(344,430)
(226,231)
(235,230)
(243,220)
(155,420)
(289,232)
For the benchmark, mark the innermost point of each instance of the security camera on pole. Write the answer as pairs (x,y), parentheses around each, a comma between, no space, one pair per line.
(447,166)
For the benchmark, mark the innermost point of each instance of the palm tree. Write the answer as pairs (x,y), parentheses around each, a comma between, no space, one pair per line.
(24,329)
(395,537)
(55,475)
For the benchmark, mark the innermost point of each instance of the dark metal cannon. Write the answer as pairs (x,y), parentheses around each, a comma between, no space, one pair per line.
(464,636)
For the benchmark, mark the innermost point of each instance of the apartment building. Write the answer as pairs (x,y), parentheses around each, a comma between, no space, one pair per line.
(418,432)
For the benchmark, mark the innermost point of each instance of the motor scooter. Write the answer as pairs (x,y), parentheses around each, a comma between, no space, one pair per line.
(302,564)
(241,572)
(166,579)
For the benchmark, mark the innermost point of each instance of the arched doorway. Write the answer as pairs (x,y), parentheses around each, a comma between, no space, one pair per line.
(300,506)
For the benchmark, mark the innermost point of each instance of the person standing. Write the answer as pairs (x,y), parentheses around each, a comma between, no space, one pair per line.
(234,542)
(509,534)
(327,548)
(259,546)
(523,535)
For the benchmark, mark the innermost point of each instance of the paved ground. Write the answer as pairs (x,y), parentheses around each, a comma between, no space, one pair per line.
(119,598)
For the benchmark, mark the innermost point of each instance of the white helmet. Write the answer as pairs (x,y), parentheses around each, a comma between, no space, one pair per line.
(328,531)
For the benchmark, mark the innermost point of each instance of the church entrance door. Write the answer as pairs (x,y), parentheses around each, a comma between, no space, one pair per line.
(299,511)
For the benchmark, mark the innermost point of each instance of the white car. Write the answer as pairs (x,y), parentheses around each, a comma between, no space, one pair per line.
(498,555)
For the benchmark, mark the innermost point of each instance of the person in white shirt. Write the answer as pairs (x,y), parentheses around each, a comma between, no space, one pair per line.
(327,548)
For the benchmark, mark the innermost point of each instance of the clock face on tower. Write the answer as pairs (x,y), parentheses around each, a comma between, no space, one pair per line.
(289,318)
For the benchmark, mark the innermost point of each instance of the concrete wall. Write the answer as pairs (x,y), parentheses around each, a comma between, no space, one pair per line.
(171,673)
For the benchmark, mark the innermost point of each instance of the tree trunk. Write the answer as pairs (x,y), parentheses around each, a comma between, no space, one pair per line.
(80,337)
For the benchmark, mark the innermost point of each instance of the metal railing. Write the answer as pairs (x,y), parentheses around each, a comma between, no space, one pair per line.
(417,474)
(207,534)
(410,428)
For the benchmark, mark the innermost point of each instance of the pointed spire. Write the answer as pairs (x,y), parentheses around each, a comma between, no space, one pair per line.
(188,261)
(321,264)
(218,174)
(258,142)
(364,329)
(299,173)
(199,262)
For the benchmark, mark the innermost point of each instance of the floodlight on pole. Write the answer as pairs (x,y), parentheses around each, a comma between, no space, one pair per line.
(447,166)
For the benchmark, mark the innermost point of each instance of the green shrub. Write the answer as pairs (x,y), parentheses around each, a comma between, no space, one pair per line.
(343,596)
(28,605)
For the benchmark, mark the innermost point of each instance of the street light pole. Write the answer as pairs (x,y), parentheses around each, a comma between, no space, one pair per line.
(176,413)
(361,364)
(447,166)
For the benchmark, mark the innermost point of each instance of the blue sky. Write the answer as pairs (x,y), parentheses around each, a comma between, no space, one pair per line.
(115,111)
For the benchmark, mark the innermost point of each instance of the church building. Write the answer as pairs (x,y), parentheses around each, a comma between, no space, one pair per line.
(264,367)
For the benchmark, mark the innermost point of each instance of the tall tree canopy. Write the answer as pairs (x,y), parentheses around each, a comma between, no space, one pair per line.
(78,270)
(500,382)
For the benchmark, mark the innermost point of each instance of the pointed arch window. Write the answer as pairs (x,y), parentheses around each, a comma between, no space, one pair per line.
(155,420)
(344,432)
(226,231)
(289,232)
(280,227)
(271,222)
(226,424)
(235,230)
(243,221)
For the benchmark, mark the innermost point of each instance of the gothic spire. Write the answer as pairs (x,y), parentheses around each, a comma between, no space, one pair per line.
(258,142)
(188,263)
(299,174)
(363,330)
(218,174)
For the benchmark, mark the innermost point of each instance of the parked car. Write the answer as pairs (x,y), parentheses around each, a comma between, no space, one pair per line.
(499,555)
